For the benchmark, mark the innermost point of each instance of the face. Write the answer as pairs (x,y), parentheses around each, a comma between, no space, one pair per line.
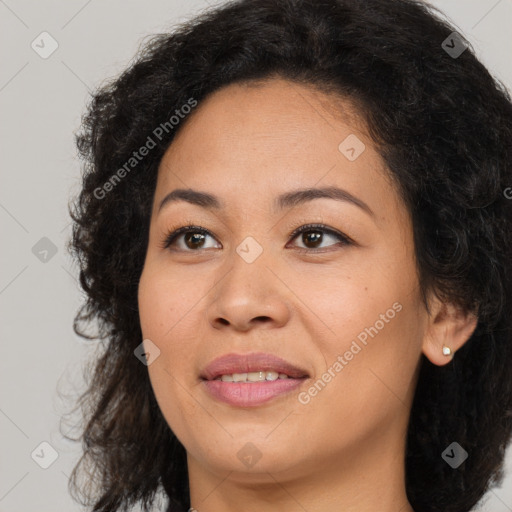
(339,301)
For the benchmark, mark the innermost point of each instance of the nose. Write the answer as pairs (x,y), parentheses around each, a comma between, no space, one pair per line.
(250,295)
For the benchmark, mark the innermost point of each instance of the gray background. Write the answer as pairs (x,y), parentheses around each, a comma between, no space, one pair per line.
(41,101)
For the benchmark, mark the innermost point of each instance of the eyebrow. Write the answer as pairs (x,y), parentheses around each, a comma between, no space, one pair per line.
(286,200)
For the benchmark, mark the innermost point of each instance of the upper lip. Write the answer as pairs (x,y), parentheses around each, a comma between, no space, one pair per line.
(245,363)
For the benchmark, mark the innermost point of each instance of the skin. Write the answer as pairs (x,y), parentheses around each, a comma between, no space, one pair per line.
(344,449)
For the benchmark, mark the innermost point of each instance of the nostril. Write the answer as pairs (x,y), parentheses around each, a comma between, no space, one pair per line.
(263,318)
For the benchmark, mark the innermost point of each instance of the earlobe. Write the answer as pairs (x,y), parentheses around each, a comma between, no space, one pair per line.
(448,328)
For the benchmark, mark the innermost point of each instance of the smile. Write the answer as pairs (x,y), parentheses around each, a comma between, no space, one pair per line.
(250,393)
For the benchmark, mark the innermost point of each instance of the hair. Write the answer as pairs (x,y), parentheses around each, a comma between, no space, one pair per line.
(443,126)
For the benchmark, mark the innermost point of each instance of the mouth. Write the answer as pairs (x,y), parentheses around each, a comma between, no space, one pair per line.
(254,367)
(248,380)
(251,377)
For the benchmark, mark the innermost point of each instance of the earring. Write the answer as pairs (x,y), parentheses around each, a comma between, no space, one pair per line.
(447,351)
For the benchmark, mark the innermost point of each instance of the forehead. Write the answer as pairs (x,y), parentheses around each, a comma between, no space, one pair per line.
(273,112)
(250,142)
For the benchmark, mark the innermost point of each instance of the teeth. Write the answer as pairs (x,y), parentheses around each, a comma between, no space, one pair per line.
(256,376)
(252,376)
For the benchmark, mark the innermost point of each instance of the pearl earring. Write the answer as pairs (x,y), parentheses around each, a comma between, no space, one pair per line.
(447,351)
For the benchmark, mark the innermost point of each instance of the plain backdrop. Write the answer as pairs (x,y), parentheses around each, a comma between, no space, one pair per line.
(41,102)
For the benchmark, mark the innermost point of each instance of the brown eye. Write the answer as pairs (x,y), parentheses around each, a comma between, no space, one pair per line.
(193,237)
(313,236)
(194,240)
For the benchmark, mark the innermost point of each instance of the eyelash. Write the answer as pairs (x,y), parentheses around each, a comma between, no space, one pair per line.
(171,237)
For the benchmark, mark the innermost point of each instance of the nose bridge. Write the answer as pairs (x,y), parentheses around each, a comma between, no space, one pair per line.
(249,274)
(249,289)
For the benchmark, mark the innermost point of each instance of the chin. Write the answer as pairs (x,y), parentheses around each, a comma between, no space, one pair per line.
(249,456)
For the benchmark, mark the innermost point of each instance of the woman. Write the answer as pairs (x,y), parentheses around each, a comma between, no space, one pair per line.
(294,235)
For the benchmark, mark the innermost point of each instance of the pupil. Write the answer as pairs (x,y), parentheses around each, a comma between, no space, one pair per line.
(314,237)
(196,237)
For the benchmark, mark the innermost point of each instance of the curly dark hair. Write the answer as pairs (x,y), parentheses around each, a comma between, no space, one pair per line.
(442,124)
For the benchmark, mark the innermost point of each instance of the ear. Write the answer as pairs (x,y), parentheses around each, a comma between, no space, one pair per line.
(447,326)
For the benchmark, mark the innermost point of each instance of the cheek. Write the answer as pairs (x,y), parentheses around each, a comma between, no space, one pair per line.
(169,319)
(164,300)
(160,309)
(163,306)
(372,313)
(343,301)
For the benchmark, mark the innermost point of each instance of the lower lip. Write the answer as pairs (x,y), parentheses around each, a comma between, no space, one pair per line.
(250,394)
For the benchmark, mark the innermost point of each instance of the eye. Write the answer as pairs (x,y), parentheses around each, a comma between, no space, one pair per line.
(193,238)
(313,236)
